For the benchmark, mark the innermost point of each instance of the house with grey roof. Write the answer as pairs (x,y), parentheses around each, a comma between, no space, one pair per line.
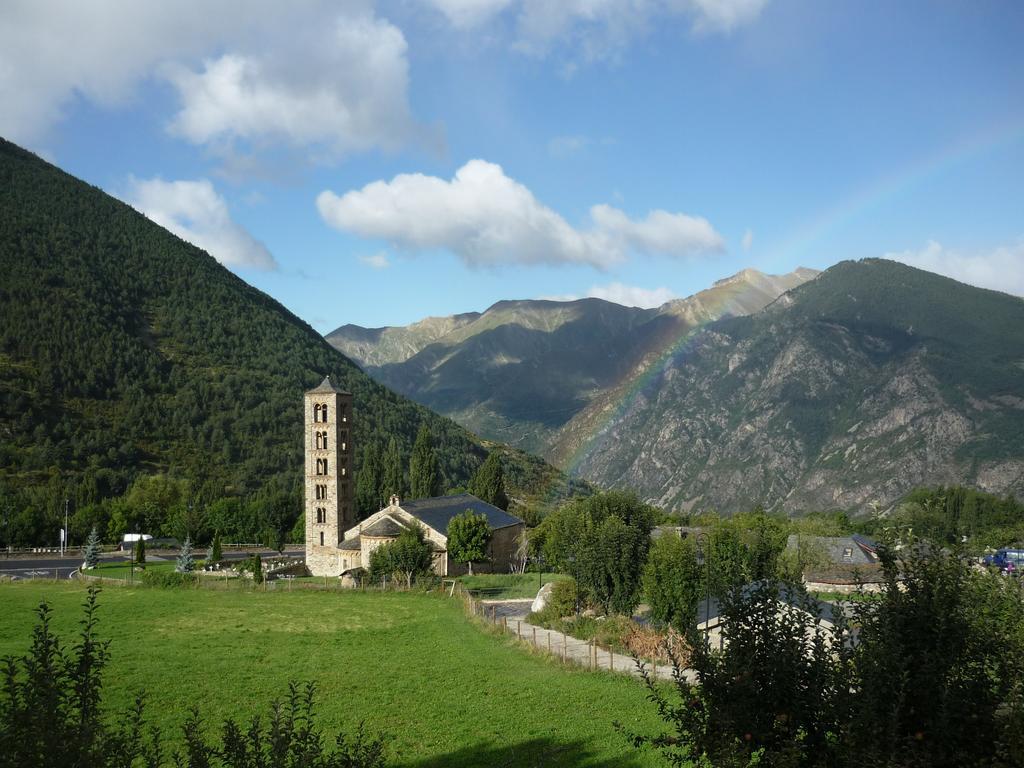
(433,515)
(836,561)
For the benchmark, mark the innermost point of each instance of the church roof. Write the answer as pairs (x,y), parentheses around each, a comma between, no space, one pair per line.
(326,387)
(385,527)
(439,511)
(353,543)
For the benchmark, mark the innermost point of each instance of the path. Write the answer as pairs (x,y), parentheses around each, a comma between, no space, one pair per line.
(510,615)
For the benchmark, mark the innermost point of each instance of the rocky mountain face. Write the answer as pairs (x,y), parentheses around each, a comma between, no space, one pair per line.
(848,391)
(521,371)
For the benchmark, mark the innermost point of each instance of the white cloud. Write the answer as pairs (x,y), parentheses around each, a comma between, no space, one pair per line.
(314,73)
(1001,269)
(195,212)
(469,13)
(631,295)
(377,260)
(748,240)
(620,293)
(487,218)
(563,146)
(343,87)
(598,28)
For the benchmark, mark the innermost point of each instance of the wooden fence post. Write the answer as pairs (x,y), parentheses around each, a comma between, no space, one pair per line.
(519,628)
(611,658)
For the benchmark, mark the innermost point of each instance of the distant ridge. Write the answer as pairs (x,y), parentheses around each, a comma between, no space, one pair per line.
(522,370)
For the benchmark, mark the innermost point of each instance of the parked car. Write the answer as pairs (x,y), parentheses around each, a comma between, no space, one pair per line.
(1007,560)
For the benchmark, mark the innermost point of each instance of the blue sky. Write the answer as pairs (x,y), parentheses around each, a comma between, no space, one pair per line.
(376,163)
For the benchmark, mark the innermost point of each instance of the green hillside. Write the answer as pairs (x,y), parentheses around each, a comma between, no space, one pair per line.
(126,351)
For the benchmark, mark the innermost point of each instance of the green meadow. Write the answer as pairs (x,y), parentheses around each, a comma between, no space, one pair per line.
(447,692)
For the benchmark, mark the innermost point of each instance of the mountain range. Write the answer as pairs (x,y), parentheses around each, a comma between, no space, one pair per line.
(839,390)
(522,371)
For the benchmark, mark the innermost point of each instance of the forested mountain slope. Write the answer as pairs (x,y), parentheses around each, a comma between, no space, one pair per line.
(851,389)
(124,350)
(521,370)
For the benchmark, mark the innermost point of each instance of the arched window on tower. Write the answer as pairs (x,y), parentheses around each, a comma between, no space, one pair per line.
(321,466)
(326,470)
(316,412)
(323,412)
(321,538)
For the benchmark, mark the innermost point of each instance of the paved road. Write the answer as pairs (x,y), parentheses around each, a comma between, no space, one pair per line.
(53,566)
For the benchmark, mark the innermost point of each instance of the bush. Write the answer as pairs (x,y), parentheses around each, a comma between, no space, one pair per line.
(561,602)
(169,579)
(933,677)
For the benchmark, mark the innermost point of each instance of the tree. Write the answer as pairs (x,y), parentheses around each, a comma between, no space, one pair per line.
(612,557)
(424,473)
(140,552)
(776,694)
(394,475)
(468,537)
(488,483)
(939,663)
(602,541)
(92,549)
(409,555)
(672,582)
(215,555)
(185,563)
(368,482)
(257,570)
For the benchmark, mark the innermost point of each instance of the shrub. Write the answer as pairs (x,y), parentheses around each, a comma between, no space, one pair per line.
(561,602)
(169,579)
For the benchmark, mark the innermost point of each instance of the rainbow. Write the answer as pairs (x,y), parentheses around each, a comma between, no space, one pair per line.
(800,243)
(724,300)
(808,238)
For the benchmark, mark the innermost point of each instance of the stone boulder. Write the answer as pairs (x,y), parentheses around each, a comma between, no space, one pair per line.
(541,600)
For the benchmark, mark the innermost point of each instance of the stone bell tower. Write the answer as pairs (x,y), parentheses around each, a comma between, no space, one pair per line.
(330,487)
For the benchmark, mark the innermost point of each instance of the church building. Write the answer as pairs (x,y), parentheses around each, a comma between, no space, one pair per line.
(336,544)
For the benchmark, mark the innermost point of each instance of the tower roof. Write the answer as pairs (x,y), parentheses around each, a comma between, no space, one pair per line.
(326,387)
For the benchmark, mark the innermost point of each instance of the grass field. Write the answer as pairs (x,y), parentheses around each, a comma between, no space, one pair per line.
(444,690)
(506,586)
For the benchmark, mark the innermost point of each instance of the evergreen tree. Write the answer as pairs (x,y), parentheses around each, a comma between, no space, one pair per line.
(468,537)
(140,552)
(488,483)
(424,473)
(185,562)
(215,555)
(394,475)
(92,549)
(368,483)
(257,570)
